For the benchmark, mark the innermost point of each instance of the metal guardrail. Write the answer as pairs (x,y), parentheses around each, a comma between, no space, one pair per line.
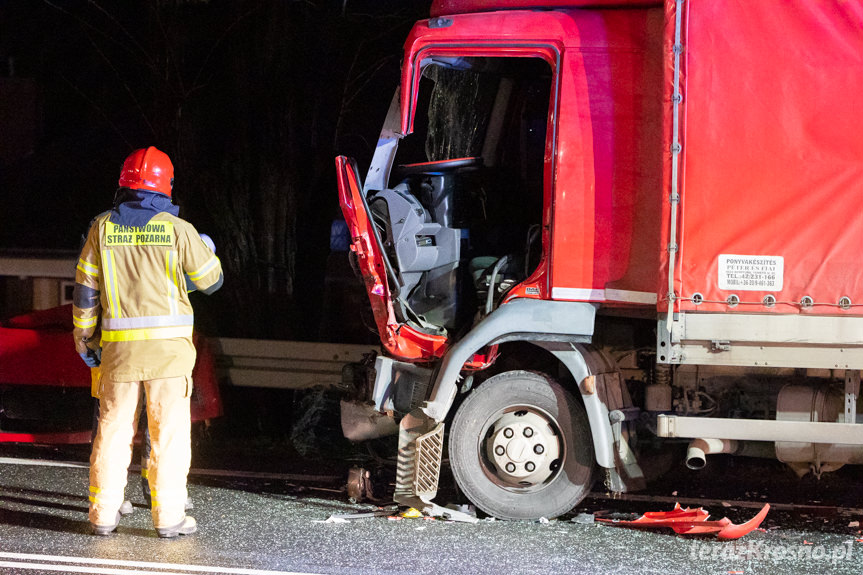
(284,364)
(38,263)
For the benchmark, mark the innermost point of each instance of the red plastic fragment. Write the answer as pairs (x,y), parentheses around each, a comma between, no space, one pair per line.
(71,437)
(691,521)
(732,531)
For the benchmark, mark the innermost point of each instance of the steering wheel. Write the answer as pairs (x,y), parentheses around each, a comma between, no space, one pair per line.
(439,166)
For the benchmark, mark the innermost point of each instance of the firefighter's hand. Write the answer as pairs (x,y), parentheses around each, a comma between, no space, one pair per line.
(209,241)
(92,357)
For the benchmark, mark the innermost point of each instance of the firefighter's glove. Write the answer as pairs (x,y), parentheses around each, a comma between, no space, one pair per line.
(92,357)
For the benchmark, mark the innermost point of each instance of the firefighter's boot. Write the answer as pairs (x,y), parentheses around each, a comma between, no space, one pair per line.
(186,527)
(105,529)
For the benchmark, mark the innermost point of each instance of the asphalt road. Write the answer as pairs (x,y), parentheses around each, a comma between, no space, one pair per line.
(252,523)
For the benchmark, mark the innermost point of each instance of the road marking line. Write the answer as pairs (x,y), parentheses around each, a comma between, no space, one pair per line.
(128,564)
(263,475)
(76,569)
(193,471)
(16,461)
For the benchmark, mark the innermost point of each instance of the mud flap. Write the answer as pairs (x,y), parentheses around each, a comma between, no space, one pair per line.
(419,464)
(605,400)
(627,474)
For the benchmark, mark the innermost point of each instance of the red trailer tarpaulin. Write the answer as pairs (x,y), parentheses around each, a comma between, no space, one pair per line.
(771,170)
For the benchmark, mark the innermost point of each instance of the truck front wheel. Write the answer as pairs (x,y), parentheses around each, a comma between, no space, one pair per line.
(520,447)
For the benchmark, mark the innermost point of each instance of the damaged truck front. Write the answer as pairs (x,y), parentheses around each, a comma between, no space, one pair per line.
(595,228)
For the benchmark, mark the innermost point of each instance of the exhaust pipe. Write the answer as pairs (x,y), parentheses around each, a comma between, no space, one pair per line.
(699,449)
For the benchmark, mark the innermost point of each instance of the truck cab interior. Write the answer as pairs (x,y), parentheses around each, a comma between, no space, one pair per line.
(464,207)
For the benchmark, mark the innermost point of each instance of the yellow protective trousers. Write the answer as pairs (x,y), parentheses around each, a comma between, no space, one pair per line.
(169,419)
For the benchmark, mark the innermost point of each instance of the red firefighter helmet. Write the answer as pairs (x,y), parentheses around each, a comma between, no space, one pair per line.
(148,169)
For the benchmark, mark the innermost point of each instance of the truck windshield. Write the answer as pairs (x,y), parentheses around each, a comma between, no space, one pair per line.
(494,108)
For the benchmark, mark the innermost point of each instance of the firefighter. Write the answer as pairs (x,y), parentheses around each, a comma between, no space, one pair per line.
(133,319)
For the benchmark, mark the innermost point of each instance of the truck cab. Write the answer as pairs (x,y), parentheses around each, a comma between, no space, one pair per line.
(519,233)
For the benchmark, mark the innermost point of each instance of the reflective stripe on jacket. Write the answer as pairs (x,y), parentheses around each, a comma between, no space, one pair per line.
(131,297)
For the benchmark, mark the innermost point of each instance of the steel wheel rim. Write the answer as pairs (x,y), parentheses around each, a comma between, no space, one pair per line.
(521,448)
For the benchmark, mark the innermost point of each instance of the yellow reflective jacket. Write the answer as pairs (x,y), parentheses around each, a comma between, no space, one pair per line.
(131,297)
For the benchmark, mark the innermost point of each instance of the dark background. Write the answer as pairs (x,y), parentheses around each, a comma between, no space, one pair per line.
(252,100)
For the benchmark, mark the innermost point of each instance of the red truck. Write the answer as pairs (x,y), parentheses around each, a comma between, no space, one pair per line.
(592,228)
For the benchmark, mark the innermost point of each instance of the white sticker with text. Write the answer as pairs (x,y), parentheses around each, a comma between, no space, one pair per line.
(752,273)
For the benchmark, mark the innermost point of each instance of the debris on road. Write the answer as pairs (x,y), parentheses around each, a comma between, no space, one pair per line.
(463,513)
(345,517)
(584,519)
(411,513)
(693,521)
(802,509)
(359,485)
(452,512)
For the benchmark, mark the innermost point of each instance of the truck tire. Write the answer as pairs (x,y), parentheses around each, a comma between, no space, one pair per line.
(520,447)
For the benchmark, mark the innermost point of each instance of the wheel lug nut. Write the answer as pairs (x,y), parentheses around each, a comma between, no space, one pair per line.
(510,467)
(499,450)
(529,466)
(538,449)
(508,432)
(528,432)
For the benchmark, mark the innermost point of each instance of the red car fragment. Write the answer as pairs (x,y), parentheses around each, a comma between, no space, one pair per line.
(36,349)
(691,521)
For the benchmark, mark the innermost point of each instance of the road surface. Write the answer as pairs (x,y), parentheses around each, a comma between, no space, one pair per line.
(268,523)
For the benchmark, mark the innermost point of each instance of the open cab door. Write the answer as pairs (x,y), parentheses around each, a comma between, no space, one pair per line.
(381,281)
